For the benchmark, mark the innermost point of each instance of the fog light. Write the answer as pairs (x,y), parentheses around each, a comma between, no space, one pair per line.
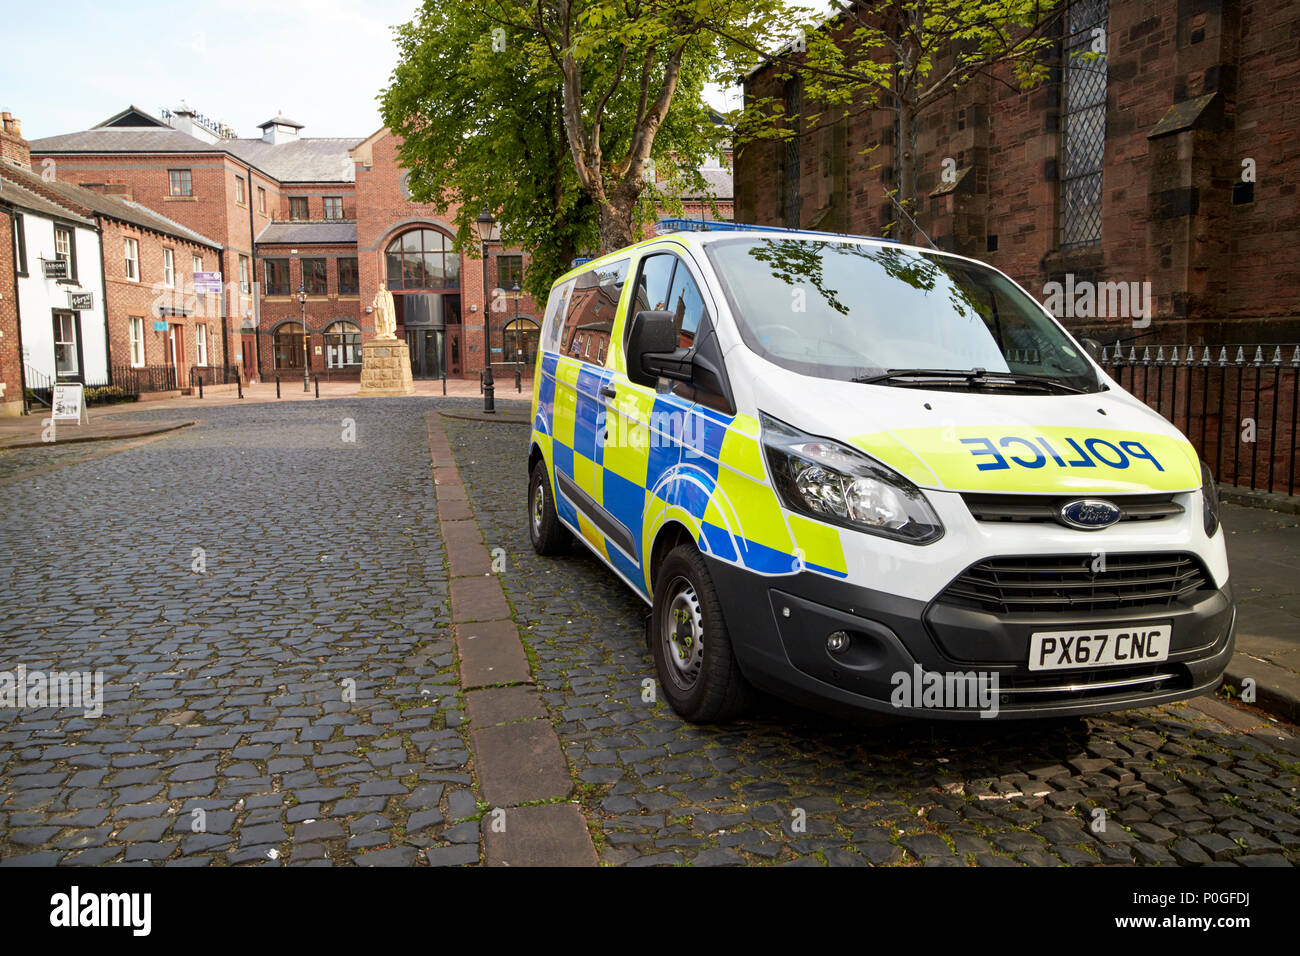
(837,642)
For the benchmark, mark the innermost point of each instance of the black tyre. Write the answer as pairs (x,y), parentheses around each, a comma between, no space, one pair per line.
(692,650)
(549,537)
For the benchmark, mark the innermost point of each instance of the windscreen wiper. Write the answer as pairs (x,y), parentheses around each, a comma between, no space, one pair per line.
(973,377)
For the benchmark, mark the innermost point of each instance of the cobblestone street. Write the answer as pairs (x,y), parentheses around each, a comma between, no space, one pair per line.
(269,604)
(1178,785)
(224,687)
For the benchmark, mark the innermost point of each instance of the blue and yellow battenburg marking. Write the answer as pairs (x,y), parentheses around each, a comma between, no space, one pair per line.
(666,460)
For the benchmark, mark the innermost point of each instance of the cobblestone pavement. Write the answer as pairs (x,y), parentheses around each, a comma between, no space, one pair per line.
(293,680)
(296,681)
(1204,783)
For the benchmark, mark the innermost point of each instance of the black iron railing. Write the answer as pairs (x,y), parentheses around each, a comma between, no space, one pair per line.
(145,378)
(1236,404)
(214,375)
(39,390)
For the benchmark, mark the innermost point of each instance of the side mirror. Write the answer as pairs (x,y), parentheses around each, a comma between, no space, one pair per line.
(1093,348)
(652,333)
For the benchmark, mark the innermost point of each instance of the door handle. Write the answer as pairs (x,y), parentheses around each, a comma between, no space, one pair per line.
(609,391)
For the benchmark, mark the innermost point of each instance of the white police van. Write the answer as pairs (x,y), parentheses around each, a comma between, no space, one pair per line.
(854,474)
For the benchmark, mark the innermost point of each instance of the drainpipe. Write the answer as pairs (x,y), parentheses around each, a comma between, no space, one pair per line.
(225,339)
(103,287)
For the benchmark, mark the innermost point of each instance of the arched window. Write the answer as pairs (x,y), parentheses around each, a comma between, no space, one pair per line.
(342,345)
(422,259)
(521,337)
(288,346)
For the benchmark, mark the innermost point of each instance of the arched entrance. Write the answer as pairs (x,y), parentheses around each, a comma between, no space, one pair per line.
(287,346)
(520,339)
(422,271)
(343,346)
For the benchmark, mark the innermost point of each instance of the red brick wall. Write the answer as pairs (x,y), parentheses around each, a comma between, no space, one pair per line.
(1221,273)
(315,194)
(383,213)
(145,298)
(321,310)
(11,396)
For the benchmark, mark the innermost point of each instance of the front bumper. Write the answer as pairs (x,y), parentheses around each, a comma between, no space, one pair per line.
(779,626)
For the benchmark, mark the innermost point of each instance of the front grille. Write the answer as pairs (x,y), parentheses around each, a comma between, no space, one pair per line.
(1067,584)
(1003,507)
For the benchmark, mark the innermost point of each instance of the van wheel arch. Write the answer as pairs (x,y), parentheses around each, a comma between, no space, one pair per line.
(669,536)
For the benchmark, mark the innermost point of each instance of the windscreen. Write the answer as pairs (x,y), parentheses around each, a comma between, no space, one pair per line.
(847,310)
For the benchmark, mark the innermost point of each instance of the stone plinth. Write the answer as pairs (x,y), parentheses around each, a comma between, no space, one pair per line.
(386,368)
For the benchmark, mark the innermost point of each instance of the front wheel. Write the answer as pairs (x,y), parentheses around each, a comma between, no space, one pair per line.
(549,537)
(692,649)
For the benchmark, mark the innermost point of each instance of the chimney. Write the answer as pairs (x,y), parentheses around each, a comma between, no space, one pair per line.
(13,148)
(119,189)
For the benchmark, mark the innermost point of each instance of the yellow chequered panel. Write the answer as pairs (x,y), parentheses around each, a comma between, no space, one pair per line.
(627,447)
(592,535)
(820,543)
(588,476)
(757,514)
(566,402)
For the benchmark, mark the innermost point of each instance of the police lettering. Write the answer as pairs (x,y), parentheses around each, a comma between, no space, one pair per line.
(1037,452)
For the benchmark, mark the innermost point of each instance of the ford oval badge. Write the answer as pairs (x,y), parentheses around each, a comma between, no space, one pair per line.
(1089,514)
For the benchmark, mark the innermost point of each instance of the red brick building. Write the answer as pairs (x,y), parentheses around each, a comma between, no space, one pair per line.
(310,229)
(133,267)
(1171,160)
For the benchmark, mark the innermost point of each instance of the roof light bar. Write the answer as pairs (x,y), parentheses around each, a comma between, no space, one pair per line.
(665,226)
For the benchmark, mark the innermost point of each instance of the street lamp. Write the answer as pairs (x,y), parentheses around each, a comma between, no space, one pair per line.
(302,302)
(486,227)
(519,387)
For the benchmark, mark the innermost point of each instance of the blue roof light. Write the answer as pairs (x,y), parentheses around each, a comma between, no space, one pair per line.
(665,226)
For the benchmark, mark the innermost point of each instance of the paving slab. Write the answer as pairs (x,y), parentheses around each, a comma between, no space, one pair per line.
(490,653)
(550,835)
(502,705)
(520,763)
(478,599)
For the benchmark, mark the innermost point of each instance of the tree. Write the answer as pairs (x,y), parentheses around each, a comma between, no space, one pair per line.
(480,129)
(907,57)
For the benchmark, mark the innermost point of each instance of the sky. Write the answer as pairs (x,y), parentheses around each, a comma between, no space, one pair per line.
(319,62)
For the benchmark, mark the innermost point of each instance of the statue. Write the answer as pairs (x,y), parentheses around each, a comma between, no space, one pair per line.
(385,315)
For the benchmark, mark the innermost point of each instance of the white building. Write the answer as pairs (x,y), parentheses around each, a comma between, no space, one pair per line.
(61,308)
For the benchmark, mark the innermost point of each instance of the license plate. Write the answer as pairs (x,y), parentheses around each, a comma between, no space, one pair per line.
(1061,650)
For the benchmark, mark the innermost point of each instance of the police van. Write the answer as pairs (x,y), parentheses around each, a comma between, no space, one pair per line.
(833,466)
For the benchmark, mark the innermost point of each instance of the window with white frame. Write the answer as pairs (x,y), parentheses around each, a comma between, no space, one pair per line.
(169,268)
(136,323)
(65,248)
(131,249)
(196,263)
(201,336)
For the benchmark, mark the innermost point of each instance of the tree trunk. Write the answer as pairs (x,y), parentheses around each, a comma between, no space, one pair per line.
(907,172)
(617,228)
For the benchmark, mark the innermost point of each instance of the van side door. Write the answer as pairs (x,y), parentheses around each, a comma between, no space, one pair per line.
(581,378)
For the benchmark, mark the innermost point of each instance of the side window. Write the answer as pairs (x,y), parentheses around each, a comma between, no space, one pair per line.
(654,282)
(687,306)
(592,308)
(554,321)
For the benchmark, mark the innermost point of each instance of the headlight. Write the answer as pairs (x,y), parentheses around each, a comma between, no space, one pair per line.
(837,484)
(1210,500)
